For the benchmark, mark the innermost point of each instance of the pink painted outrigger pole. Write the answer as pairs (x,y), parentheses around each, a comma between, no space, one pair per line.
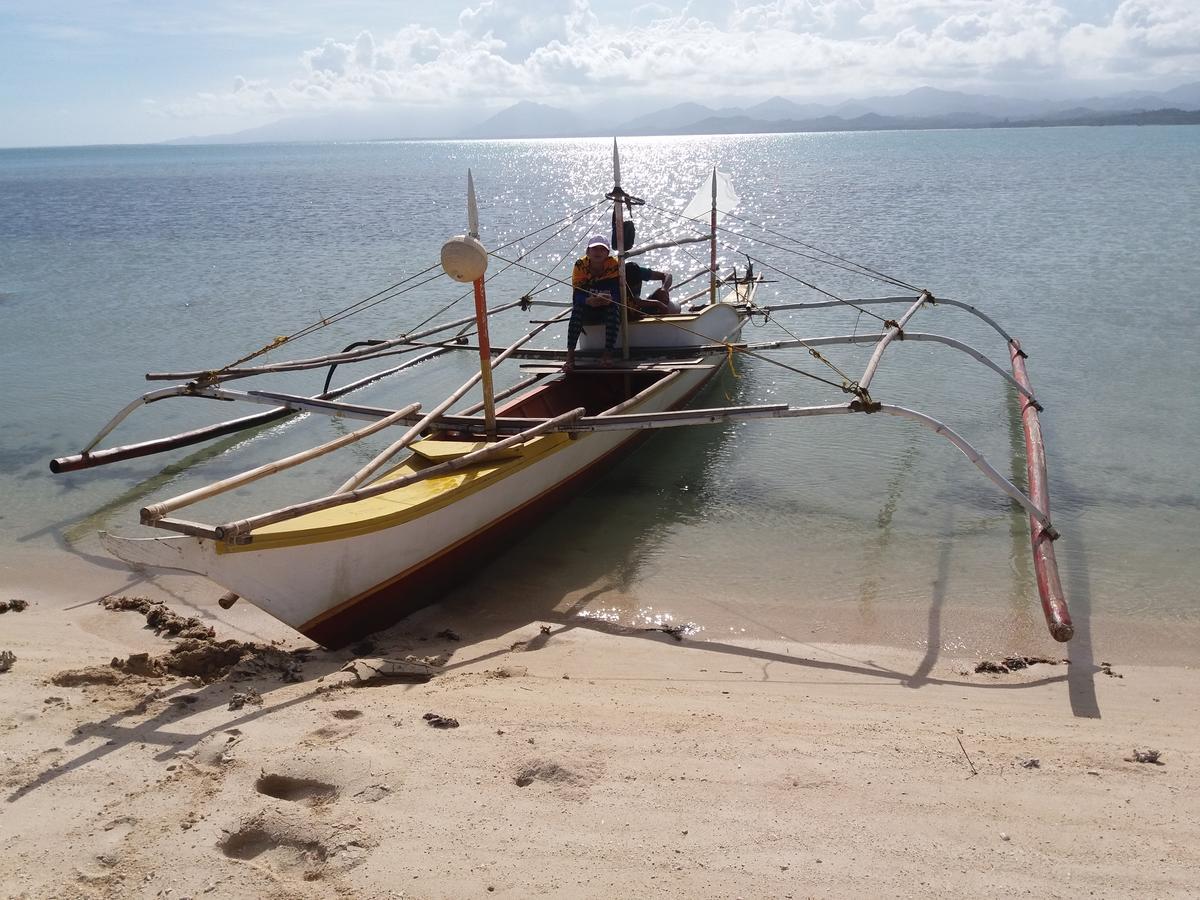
(1054,604)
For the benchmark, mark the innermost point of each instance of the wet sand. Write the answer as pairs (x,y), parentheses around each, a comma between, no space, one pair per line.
(589,760)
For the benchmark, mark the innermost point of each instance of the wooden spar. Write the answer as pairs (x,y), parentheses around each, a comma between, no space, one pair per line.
(868,301)
(646,248)
(691,278)
(161,445)
(481,323)
(233,530)
(317,362)
(712,261)
(1042,535)
(408,437)
(888,337)
(976,458)
(425,421)
(147,398)
(643,393)
(873,338)
(183,526)
(232,426)
(151,514)
(485,361)
(507,392)
(619,235)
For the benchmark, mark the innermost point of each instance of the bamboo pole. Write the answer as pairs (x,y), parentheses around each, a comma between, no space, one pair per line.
(973,455)
(379,461)
(873,338)
(231,426)
(574,421)
(151,514)
(485,361)
(481,323)
(145,399)
(888,337)
(619,235)
(1041,535)
(501,395)
(646,248)
(653,387)
(868,301)
(317,362)
(233,530)
(194,529)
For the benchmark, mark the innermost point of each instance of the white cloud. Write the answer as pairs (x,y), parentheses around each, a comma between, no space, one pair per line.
(501,51)
(1157,36)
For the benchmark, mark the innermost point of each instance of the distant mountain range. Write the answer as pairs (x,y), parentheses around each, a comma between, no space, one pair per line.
(923,108)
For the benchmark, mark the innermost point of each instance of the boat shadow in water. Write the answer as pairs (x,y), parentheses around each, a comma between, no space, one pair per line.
(580,568)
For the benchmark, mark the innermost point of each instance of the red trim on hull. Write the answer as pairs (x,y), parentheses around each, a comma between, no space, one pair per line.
(393,601)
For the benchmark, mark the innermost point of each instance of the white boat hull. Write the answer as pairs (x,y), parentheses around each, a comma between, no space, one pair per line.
(337,590)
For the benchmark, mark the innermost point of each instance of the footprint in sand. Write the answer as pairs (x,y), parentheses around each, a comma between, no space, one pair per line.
(296,790)
(294,847)
(279,853)
(569,784)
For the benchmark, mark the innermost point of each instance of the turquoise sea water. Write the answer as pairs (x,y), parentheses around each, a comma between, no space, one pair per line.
(1081,242)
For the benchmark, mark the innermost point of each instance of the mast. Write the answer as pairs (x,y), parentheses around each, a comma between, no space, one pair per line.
(465,259)
(619,236)
(712,254)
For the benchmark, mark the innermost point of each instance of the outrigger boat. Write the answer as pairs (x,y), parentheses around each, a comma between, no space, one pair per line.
(402,528)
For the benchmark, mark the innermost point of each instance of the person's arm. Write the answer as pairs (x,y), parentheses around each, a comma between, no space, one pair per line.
(595,291)
(605,291)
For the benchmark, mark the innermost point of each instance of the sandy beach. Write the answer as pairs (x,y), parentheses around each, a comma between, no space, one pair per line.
(587,761)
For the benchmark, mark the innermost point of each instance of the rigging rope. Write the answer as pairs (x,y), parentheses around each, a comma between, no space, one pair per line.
(378,297)
(866,271)
(847,386)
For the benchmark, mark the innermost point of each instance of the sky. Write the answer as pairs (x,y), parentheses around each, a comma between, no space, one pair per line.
(121,71)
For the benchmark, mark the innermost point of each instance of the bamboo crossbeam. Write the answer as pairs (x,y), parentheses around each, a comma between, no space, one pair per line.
(652,388)
(576,422)
(973,455)
(381,459)
(872,338)
(147,398)
(299,403)
(662,245)
(684,417)
(88,460)
(543,369)
(870,301)
(413,433)
(233,530)
(865,381)
(691,278)
(504,394)
(826,304)
(1041,536)
(151,514)
(194,529)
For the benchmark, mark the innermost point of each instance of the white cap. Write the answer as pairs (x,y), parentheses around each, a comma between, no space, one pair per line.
(599,240)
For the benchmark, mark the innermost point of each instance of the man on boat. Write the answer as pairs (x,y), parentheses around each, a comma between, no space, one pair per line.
(658,303)
(596,298)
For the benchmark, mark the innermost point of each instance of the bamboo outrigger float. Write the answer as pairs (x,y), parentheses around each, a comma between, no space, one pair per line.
(401,528)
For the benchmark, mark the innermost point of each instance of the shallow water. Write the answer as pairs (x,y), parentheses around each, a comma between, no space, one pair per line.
(1081,242)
